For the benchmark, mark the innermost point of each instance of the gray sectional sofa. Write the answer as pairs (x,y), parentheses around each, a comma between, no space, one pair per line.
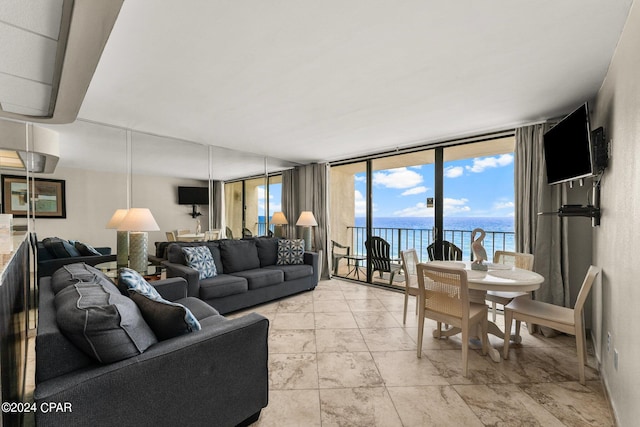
(248,273)
(101,361)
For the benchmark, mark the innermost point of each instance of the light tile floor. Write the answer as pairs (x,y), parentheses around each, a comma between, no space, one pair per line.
(340,356)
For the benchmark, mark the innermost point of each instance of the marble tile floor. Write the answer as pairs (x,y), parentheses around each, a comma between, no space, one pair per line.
(340,356)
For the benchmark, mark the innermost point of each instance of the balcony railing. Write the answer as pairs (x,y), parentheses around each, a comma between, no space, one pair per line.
(418,239)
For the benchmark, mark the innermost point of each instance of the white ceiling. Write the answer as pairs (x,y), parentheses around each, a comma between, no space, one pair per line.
(308,81)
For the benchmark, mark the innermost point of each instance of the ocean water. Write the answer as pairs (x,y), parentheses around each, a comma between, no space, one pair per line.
(411,232)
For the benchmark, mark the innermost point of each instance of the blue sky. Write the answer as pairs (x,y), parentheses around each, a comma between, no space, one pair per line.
(481,187)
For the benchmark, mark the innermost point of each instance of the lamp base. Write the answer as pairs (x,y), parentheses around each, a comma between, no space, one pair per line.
(138,241)
(122,250)
(307,239)
(277,231)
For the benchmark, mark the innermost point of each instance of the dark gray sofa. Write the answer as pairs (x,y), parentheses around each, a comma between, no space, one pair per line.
(248,273)
(217,376)
(54,252)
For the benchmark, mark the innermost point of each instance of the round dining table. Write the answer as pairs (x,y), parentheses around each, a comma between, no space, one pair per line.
(497,277)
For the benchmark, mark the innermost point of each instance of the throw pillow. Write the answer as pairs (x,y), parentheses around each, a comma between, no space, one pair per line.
(167,319)
(85,250)
(101,322)
(60,248)
(199,258)
(290,251)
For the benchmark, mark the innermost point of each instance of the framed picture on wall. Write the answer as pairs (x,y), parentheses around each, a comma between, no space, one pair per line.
(48,196)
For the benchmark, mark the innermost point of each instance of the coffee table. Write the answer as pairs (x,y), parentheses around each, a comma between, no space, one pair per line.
(110,269)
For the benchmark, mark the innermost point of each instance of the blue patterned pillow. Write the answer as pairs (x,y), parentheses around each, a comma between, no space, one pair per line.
(199,258)
(290,251)
(167,319)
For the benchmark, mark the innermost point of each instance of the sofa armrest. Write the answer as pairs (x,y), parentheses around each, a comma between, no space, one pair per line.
(187,273)
(216,376)
(50,266)
(104,250)
(171,289)
(311,258)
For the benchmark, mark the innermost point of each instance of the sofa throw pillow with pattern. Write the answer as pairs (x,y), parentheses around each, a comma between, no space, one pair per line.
(199,258)
(167,319)
(290,251)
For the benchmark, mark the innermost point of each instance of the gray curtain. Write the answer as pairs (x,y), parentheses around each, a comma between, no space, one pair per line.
(305,189)
(542,235)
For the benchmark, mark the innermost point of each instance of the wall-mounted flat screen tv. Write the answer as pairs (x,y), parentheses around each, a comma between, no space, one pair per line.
(193,195)
(567,148)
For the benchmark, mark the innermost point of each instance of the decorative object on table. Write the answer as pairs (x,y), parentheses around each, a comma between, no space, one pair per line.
(122,248)
(138,221)
(278,220)
(47,200)
(479,253)
(307,220)
(198,226)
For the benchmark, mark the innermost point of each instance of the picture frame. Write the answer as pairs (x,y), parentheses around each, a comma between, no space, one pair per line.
(48,197)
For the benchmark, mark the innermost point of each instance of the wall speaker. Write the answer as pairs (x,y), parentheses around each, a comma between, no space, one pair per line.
(600,150)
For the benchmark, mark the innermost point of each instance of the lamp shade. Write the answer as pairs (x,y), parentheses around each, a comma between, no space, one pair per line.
(138,219)
(307,219)
(278,218)
(117,218)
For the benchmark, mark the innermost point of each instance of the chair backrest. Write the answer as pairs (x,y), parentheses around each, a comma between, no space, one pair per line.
(339,249)
(592,273)
(171,236)
(445,289)
(516,259)
(444,251)
(181,232)
(212,235)
(379,251)
(410,266)
(246,232)
(229,233)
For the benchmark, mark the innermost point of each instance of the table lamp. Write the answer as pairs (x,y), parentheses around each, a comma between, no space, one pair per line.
(137,222)
(307,220)
(278,220)
(122,250)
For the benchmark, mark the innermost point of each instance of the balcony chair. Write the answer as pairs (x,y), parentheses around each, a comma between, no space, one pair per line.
(379,252)
(446,251)
(516,259)
(338,252)
(567,320)
(409,266)
(444,297)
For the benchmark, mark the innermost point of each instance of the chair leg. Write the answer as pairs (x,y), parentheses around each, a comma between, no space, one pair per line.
(484,337)
(581,347)
(494,310)
(420,330)
(465,350)
(406,303)
(508,319)
(393,273)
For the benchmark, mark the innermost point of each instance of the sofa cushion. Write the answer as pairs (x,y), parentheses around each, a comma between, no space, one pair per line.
(76,273)
(239,255)
(293,272)
(267,250)
(199,258)
(290,251)
(222,285)
(261,277)
(85,249)
(60,248)
(167,319)
(104,324)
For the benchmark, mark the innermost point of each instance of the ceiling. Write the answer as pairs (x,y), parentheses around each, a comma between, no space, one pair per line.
(302,81)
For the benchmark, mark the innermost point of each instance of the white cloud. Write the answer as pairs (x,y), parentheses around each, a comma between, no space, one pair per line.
(482,163)
(361,204)
(451,206)
(454,206)
(397,178)
(453,171)
(415,190)
(419,210)
(360,178)
(504,205)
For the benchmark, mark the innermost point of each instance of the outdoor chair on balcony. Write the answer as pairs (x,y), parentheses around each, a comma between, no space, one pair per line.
(246,233)
(379,252)
(444,251)
(338,252)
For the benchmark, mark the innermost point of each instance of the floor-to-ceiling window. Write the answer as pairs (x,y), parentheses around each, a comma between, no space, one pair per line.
(414,198)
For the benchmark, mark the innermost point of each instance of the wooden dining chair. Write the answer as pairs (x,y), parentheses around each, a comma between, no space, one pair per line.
(444,297)
(515,259)
(410,268)
(564,319)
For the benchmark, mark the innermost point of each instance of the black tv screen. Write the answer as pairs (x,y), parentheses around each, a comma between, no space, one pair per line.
(567,148)
(193,196)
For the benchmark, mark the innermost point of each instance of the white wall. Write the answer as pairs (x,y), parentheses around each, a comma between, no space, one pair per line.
(616,299)
(93,196)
